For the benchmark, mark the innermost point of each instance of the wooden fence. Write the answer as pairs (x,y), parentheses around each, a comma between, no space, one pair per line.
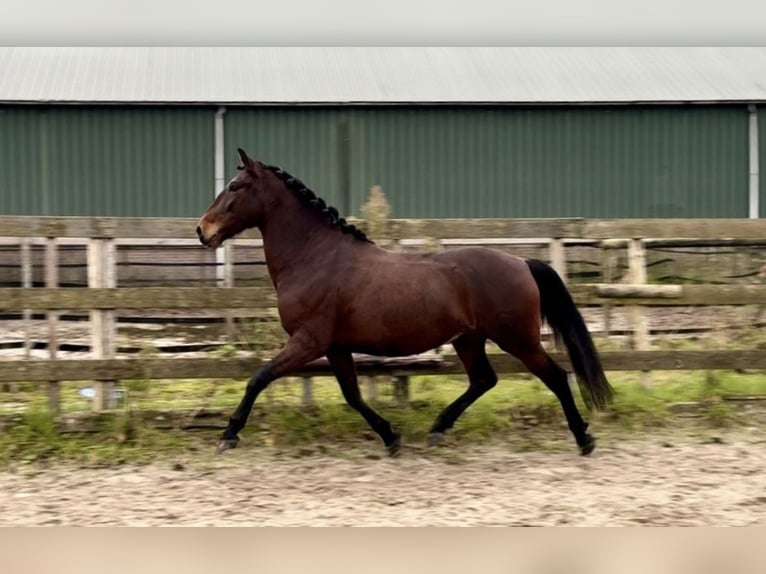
(102,299)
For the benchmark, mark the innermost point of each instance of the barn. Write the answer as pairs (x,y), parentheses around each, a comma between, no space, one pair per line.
(446,132)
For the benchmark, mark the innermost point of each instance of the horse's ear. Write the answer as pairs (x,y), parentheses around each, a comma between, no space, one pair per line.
(247,162)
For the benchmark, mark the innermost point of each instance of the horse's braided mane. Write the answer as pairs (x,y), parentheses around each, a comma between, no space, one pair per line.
(310,198)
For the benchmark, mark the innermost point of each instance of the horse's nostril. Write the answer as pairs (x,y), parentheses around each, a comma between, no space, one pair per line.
(199,231)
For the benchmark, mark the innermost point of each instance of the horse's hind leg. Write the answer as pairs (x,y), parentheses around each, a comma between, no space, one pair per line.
(342,364)
(481,377)
(541,365)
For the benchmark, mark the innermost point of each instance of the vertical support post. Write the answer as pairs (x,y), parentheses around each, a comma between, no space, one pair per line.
(51,282)
(219,163)
(754,191)
(101,273)
(637,271)
(219,170)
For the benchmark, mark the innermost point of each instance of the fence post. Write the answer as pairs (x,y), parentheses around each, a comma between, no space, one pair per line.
(402,389)
(101,273)
(376,211)
(608,263)
(762,308)
(371,388)
(228,282)
(26,283)
(308,391)
(51,282)
(637,275)
(558,257)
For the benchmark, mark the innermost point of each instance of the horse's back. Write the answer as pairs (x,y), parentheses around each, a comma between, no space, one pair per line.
(397,303)
(483,265)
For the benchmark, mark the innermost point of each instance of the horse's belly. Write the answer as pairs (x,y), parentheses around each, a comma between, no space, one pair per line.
(404,327)
(400,347)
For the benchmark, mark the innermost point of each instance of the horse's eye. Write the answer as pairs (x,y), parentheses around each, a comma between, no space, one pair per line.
(234,187)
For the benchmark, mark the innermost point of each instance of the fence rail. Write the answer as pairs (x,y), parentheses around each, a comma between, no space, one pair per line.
(398,229)
(147,298)
(101,298)
(242,368)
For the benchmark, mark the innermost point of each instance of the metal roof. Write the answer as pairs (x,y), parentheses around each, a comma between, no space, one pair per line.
(381,75)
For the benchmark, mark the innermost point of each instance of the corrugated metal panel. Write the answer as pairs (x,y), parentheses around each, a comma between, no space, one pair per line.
(307,143)
(116,162)
(382,74)
(554,162)
(20,161)
(445,162)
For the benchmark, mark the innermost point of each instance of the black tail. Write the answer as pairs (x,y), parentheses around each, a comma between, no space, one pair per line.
(559,310)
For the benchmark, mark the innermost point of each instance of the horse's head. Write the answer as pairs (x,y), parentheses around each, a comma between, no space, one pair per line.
(238,207)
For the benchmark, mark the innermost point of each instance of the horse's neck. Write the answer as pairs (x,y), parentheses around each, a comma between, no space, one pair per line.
(293,241)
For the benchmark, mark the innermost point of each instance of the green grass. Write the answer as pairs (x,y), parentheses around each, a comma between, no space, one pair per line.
(520,411)
(117,439)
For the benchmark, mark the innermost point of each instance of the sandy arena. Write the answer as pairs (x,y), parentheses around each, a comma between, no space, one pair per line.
(662,481)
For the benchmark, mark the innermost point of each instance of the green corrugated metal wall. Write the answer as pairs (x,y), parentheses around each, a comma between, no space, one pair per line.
(307,143)
(510,162)
(672,161)
(594,162)
(20,169)
(106,161)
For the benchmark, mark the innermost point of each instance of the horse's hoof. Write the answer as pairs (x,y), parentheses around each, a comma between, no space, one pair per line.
(435,438)
(587,447)
(394,447)
(225,444)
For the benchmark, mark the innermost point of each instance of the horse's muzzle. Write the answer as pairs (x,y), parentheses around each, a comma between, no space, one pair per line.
(213,241)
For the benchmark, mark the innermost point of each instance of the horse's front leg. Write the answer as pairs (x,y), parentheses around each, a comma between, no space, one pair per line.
(298,351)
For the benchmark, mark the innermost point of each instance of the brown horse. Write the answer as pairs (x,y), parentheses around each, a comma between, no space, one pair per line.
(338,293)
